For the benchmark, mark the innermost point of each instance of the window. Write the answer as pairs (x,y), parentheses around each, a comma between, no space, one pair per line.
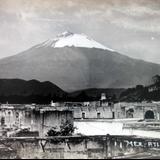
(129,113)
(98,115)
(2,121)
(83,115)
(109,104)
(113,115)
(17,115)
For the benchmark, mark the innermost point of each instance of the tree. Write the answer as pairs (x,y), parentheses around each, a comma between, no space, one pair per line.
(156,79)
(66,129)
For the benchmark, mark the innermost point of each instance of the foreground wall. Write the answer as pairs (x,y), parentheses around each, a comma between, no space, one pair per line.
(91,147)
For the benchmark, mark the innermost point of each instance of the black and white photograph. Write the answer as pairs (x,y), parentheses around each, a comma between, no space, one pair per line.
(79,79)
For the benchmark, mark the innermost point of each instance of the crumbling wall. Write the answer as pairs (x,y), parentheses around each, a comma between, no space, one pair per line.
(34,120)
(90,147)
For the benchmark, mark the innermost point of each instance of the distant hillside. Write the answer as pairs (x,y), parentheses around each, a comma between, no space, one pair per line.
(95,93)
(143,93)
(33,91)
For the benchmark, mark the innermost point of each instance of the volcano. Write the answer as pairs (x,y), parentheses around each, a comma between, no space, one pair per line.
(74,62)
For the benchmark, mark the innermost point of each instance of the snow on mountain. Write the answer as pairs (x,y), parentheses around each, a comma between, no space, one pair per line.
(72,40)
(75,68)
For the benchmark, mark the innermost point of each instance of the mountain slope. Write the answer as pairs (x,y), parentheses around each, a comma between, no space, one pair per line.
(25,88)
(141,93)
(33,91)
(94,94)
(75,68)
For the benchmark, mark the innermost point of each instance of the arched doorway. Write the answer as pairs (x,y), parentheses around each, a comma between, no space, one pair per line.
(149,115)
(129,113)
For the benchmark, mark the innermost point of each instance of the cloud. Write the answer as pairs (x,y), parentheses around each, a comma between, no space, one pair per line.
(119,24)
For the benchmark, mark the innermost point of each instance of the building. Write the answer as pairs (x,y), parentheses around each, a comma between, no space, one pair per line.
(35,118)
(101,109)
(137,110)
(42,118)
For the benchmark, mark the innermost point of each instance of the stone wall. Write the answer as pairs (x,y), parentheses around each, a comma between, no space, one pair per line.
(93,112)
(136,110)
(35,120)
(91,147)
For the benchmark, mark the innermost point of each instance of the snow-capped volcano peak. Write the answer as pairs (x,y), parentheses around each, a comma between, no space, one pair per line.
(72,40)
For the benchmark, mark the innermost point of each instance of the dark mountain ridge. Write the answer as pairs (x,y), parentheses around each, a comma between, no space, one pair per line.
(19,91)
(32,91)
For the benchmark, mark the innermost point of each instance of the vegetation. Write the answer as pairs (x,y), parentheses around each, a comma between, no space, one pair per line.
(143,93)
(16,91)
(66,129)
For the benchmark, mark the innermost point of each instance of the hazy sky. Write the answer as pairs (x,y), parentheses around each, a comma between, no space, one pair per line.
(131,27)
